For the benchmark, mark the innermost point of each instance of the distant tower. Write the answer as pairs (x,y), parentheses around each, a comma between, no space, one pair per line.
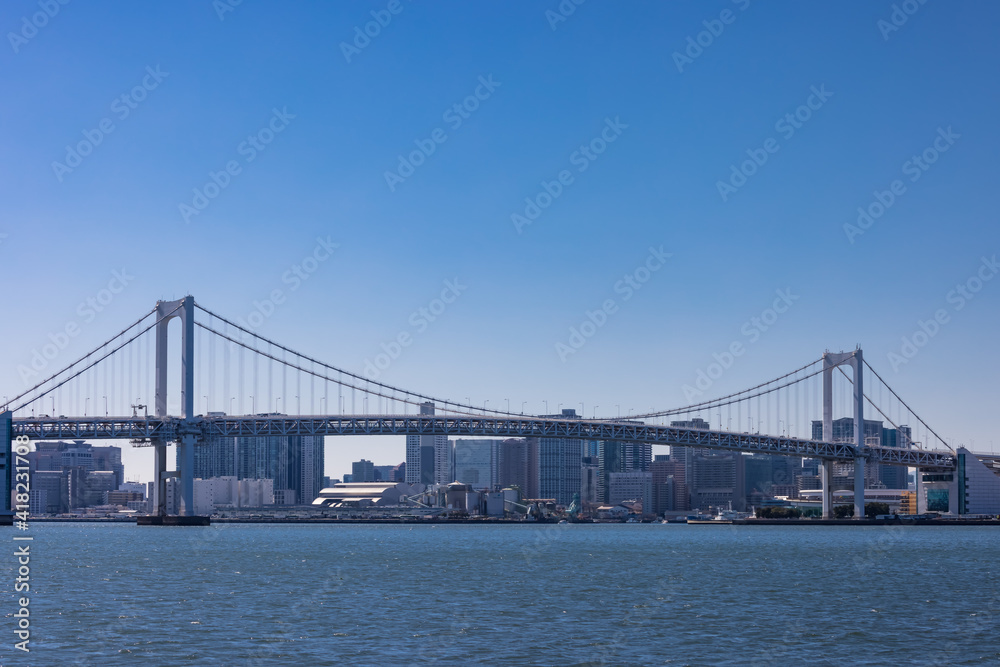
(428,457)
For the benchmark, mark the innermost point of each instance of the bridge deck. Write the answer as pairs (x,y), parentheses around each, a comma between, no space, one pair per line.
(170,428)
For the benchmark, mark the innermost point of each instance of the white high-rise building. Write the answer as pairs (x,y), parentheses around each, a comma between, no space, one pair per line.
(256,492)
(312,484)
(428,457)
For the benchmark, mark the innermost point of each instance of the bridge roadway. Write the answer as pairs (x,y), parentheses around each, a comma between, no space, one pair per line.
(146,429)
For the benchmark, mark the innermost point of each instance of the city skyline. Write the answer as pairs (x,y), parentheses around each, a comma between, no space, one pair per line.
(603,313)
(440,257)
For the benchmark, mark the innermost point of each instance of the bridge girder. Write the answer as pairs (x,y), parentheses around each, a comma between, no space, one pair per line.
(172,429)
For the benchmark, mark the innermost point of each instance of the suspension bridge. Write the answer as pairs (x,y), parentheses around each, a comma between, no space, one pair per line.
(233,367)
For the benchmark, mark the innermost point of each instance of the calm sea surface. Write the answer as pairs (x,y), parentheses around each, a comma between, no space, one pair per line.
(645,594)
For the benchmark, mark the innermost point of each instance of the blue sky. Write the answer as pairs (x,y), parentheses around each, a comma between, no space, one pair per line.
(554,86)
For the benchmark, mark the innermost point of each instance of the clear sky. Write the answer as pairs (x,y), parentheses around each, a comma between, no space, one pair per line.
(644,109)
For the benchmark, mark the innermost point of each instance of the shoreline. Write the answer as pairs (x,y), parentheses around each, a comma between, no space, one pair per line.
(494,521)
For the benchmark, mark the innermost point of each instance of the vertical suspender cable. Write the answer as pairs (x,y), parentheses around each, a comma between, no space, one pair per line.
(227,348)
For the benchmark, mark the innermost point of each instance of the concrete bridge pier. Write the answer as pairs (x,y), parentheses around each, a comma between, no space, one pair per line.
(185,449)
(159,478)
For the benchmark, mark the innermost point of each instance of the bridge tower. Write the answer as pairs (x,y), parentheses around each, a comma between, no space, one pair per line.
(167,310)
(832,360)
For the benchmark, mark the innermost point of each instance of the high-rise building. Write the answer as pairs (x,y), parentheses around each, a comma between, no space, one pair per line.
(590,475)
(313,460)
(363,471)
(172,495)
(216,457)
(559,461)
(895,477)
(637,486)
(616,456)
(770,475)
(714,478)
(759,475)
(717,479)
(843,429)
(876,474)
(54,485)
(74,474)
(428,457)
(294,463)
(513,464)
(398,473)
(444,460)
(532,490)
(477,463)
(670,490)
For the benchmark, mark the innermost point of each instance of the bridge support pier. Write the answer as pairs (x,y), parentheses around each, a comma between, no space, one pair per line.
(159,479)
(185,450)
